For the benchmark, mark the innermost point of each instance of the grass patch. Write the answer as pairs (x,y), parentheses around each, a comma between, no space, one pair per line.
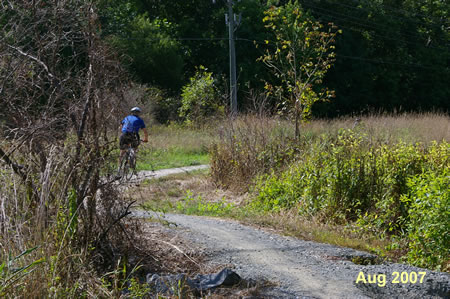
(175,146)
(155,159)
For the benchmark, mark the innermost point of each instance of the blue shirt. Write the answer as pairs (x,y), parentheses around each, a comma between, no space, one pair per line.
(132,124)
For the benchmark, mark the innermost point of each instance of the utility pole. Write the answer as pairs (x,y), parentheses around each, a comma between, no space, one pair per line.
(233,86)
(232,21)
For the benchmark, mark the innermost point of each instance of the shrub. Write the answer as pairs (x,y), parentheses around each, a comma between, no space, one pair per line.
(200,99)
(429,225)
(399,189)
(348,179)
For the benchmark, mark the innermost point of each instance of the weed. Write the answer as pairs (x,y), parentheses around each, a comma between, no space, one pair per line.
(196,205)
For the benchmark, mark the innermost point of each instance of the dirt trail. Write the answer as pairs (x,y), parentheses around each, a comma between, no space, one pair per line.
(148,174)
(302,269)
(259,254)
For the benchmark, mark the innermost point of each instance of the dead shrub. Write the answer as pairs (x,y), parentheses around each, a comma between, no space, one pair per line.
(249,146)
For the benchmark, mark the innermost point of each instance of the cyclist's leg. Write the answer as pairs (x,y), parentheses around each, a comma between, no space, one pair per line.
(123,145)
(135,145)
(122,153)
(135,141)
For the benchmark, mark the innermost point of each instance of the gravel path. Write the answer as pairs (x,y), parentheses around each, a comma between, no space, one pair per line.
(304,269)
(145,174)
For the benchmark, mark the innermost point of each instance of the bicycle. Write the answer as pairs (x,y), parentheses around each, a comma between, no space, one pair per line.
(128,164)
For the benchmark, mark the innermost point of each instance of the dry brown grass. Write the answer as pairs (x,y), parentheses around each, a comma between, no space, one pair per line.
(168,190)
(419,127)
(190,139)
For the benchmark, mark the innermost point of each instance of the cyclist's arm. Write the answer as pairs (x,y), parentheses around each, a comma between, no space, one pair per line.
(145,135)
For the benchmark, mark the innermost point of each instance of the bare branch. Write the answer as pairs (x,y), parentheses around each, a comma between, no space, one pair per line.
(33,58)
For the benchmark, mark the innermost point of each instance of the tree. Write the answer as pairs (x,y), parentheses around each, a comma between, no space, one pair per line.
(146,42)
(392,55)
(299,55)
(200,99)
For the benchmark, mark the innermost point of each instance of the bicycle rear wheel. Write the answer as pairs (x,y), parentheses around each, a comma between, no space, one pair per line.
(124,168)
(131,164)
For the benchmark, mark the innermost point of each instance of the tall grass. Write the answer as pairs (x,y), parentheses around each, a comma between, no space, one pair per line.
(52,244)
(55,267)
(251,146)
(247,147)
(379,172)
(410,128)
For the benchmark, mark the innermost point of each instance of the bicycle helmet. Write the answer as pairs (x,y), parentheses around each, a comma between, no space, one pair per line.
(136,110)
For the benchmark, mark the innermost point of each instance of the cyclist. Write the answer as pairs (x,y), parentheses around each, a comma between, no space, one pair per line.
(130,127)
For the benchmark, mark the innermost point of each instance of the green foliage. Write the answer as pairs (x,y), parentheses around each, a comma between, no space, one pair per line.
(399,189)
(12,273)
(196,205)
(150,52)
(391,56)
(137,289)
(300,55)
(429,223)
(346,177)
(122,280)
(200,98)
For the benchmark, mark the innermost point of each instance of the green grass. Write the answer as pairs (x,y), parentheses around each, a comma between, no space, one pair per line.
(170,158)
(173,146)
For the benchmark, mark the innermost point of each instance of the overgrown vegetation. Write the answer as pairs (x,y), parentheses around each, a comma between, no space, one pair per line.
(63,226)
(63,221)
(247,147)
(349,176)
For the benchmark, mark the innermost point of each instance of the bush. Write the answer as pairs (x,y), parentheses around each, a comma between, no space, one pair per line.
(200,99)
(429,225)
(348,179)
(399,189)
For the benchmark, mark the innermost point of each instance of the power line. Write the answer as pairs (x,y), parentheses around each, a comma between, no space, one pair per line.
(398,10)
(261,42)
(371,25)
(401,12)
(414,65)
(366,22)
(378,61)
(403,16)
(376,34)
